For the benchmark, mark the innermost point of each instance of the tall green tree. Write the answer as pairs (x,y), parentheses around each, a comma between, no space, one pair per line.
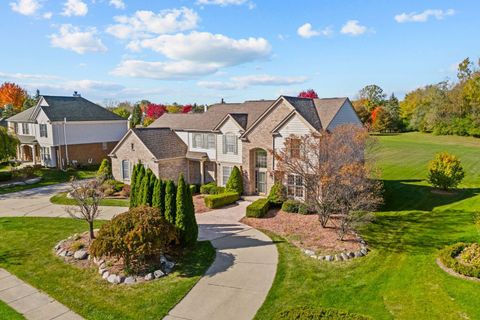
(133,180)
(170,201)
(8,145)
(138,185)
(373,96)
(235,181)
(185,214)
(136,115)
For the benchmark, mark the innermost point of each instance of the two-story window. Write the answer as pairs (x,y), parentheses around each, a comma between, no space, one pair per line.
(230,144)
(25,128)
(203,140)
(295,187)
(126,170)
(43,130)
(45,154)
(226,172)
(294,147)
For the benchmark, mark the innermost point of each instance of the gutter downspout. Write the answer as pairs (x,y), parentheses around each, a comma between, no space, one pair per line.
(65,140)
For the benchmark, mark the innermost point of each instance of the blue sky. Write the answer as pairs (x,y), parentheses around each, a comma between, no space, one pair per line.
(203,50)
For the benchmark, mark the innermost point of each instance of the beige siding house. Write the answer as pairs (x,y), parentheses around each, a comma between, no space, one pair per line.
(205,147)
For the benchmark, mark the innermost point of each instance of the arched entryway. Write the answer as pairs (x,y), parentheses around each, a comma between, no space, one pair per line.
(258,163)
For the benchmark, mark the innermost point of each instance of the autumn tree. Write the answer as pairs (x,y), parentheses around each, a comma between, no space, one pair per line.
(336,177)
(445,171)
(309,94)
(12,94)
(373,96)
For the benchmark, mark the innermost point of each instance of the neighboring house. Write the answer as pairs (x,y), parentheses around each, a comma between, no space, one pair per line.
(3,122)
(60,131)
(206,146)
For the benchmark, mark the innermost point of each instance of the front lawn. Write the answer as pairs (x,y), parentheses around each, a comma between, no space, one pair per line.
(52,176)
(26,251)
(399,279)
(61,198)
(8,313)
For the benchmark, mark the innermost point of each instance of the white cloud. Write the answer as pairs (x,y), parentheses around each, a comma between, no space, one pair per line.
(224,3)
(306,31)
(353,27)
(75,8)
(119,4)
(26,76)
(77,40)
(244,82)
(424,16)
(147,23)
(26,7)
(47,15)
(205,47)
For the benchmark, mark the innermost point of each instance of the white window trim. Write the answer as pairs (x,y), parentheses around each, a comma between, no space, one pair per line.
(226,146)
(224,181)
(295,186)
(123,170)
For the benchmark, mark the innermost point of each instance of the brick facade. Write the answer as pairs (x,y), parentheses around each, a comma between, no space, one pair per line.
(84,154)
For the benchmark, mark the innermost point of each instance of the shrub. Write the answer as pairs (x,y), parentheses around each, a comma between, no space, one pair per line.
(214,201)
(303,208)
(193,189)
(235,181)
(471,255)
(448,256)
(77,245)
(113,184)
(105,170)
(307,313)
(108,192)
(185,216)
(137,236)
(5,175)
(258,209)
(170,198)
(291,206)
(125,191)
(445,171)
(206,188)
(277,195)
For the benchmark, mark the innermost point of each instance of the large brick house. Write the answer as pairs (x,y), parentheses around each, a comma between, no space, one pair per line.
(206,146)
(60,131)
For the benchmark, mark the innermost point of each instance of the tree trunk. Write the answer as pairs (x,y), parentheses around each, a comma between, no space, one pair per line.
(92,234)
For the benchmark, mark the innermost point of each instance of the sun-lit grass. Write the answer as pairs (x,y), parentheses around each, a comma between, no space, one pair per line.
(399,279)
(8,313)
(61,198)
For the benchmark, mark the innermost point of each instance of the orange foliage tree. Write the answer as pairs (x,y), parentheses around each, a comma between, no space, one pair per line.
(11,93)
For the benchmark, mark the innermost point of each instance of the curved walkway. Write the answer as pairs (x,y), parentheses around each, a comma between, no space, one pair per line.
(233,288)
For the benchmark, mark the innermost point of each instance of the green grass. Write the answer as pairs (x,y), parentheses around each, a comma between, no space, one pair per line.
(51,176)
(399,279)
(26,251)
(8,313)
(61,198)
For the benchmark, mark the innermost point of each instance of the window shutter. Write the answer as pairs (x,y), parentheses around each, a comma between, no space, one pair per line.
(236,145)
(224,144)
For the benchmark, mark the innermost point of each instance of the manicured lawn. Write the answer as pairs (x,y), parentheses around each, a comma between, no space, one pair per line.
(61,198)
(26,251)
(52,176)
(9,314)
(399,279)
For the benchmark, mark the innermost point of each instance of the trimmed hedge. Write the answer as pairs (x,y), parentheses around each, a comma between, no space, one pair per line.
(291,206)
(306,313)
(211,188)
(277,195)
(214,201)
(258,208)
(448,258)
(235,182)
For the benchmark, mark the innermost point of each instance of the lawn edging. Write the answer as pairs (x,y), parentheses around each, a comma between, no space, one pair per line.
(447,261)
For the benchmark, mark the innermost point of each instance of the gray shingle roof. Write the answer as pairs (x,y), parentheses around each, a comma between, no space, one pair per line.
(306,108)
(162,143)
(327,109)
(71,108)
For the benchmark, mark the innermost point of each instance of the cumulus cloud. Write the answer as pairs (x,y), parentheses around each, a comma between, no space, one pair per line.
(26,7)
(147,23)
(244,82)
(119,4)
(224,3)
(306,31)
(75,8)
(47,15)
(424,16)
(80,41)
(26,76)
(354,28)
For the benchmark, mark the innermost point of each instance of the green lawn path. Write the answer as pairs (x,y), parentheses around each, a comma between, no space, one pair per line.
(399,279)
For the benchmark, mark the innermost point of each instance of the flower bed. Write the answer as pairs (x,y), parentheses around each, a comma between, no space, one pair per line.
(462,258)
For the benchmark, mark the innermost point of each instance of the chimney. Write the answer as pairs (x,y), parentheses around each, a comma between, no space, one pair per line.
(76,94)
(222,101)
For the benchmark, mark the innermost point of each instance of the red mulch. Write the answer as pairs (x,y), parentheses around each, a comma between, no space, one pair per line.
(304,231)
(200,204)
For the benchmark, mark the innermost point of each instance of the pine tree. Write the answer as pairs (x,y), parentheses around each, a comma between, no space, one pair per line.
(147,188)
(235,182)
(191,222)
(151,189)
(185,220)
(105,170)
(133,180)
(156,193)
(170,198)
(138,185)
(161,203)
(136,115)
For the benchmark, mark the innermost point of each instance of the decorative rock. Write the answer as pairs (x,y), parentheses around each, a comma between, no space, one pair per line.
(351,254)
(338,257)
(68,254)
(80,254)
(329,258)
(320,257)
(344,256)
(168,266)
(101,271)
(364,251)
(158,274)
(63,253)
(313,256)
(103,265)
(113,278)
(358,254)
(130,280)
(309,252)
(105,275)
(33,181)
(149,277)
(57,247)
(163,259)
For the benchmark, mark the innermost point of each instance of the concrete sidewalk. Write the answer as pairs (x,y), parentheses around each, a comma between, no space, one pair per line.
(36,203)
(237,283)
(31,303)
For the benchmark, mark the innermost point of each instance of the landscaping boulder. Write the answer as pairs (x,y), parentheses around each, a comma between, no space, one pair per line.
(338,257)
(115,279)
(344,256)
(309,252)
(329,258)
(101,271)
(80,254)
(33,180)
(158,274)
(130,280)
(105,275)
(351,254)
(364,251)
(149,277)
(358,254)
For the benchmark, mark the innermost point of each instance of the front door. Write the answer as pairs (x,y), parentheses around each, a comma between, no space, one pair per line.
(261,181)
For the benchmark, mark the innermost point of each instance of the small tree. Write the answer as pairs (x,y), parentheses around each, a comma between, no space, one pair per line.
(87,196)
(445,171)
(278,194)
(105,171)
(146,190)
(310,94)
(170,199)
(235,181)
(156,193)
(185,216)
(138,184)
(133,179)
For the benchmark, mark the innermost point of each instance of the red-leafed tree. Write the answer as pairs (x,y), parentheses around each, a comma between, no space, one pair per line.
(187,108)
(310,94)
(155,111)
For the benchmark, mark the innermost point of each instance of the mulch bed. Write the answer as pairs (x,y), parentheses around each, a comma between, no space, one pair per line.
(305,231)
(199,204)
(453,272)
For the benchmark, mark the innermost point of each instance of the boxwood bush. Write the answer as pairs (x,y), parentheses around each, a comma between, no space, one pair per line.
(291,206)
(211,188)
(277,195)
(448,258)
(307,313)
(258,208)
(214,201)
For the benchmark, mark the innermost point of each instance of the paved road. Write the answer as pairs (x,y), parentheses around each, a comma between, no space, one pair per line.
(233,288)
(36,203)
